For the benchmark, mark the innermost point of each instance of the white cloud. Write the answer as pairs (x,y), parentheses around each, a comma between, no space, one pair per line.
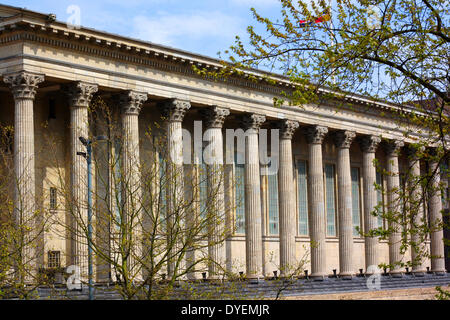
(255,3)
(171,29)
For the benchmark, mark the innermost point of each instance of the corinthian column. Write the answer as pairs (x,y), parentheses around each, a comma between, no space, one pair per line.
(392,149)
(343,140)
(368,146)
(287,198)
(416,212)
(253,232)
(23,86)
(174,111)
(130,104)
(213,157)
(437,233)
(314,137)
(80,95)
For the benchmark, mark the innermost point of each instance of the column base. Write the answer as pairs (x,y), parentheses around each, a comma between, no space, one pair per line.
(419,273)
(440,272)
(396,274)
(215,278)
(254,278)
(318,276)
(346,275)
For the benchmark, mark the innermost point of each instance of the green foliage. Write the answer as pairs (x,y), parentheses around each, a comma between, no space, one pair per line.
(384,51)
(442,294)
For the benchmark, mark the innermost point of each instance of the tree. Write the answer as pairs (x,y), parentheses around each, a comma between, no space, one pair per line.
(21,231)
(154,221)
(387,51)
(152,228)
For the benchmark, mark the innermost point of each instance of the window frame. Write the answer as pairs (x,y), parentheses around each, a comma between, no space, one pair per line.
(383,194)
(325,202)
(235,199)
(265,180)
(53,199)
(296,160)
(360,200)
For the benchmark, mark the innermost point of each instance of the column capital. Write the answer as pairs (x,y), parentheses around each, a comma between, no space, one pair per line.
(392,147)
(80,93)
(316,134)
(174,110)
(23,84)
(412,151)
(369,143)
(215,116)
(253,121)
(287,128)
(131,102)
(343,139)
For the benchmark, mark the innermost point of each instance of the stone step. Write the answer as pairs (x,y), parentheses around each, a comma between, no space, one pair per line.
(270,288)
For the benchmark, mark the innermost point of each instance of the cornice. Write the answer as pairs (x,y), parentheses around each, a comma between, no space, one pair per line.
(71,40)
(34,28)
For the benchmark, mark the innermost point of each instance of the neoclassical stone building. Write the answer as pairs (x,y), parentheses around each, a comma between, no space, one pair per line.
(325,183)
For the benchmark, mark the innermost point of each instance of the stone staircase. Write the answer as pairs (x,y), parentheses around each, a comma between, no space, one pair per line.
(264,288)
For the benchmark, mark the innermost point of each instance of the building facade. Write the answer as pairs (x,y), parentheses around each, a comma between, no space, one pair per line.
(322,191)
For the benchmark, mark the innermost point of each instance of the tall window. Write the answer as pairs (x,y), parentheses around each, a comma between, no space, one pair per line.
(162,201)
(401,200)
(272,189)
(302,198)
(53,199)
(203,189)
(330,199)
(380,202)
(356,201)
(239,195)
(444,170)
(117,180)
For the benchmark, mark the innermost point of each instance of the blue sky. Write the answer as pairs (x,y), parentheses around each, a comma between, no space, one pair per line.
(201,26)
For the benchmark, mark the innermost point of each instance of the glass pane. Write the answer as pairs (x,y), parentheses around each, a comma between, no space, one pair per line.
(302,198)
(400,199)
(355,201)
(272,182)
(203,189)
(162,191)
(53,199)
(331,201)
(379,182)
(444,178)
(118,180)
(239,171)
